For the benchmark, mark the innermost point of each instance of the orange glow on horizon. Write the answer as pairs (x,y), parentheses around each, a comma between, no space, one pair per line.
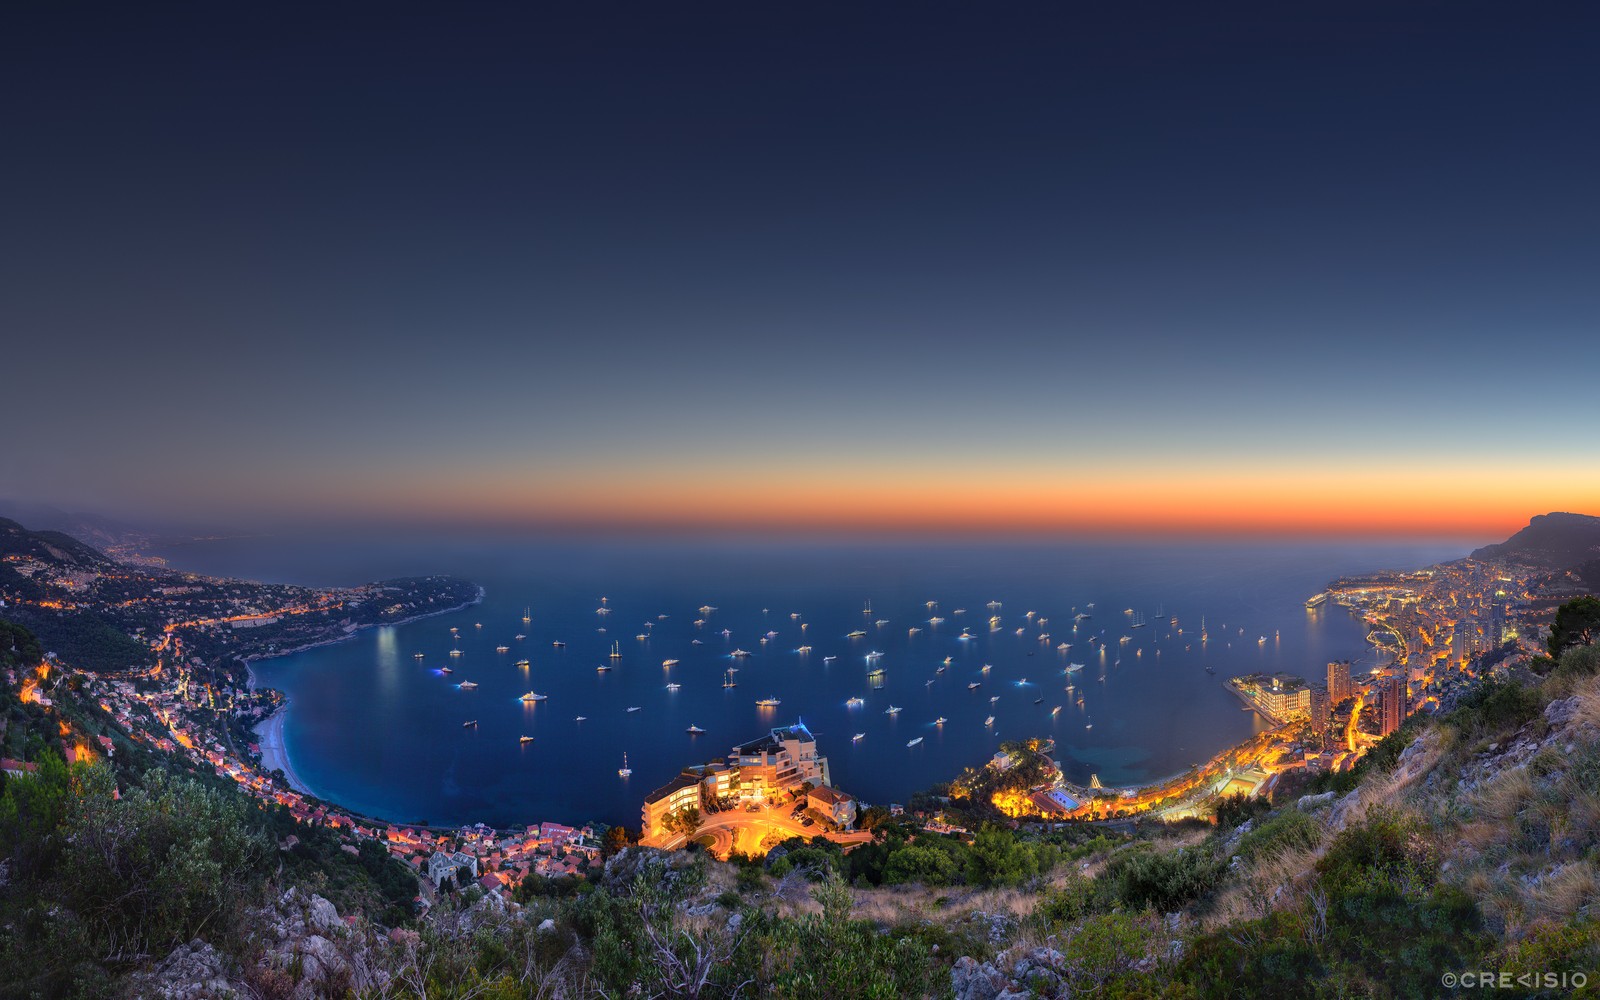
(1166,497)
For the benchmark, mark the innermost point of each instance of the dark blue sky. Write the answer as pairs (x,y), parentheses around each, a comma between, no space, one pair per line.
(286,257)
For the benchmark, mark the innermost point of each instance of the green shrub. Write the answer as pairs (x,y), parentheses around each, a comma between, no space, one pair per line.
(1290,829)
(1494,707)
(1164,880)
(918,863)
(1582,661)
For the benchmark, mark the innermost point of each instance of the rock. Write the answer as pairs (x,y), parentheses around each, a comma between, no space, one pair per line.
(1238,834)
(193,971)
(971,981)
(665,868)
(1560,713)
(1344,811)
(322,915)
(1307,803)
(547,926)
(1411,751)
(319,959)
(737,920)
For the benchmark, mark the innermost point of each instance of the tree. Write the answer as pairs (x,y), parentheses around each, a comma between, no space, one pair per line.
(685,821)
(873,817)
(915,863)
(33,810)
(1577,624)
(615,839)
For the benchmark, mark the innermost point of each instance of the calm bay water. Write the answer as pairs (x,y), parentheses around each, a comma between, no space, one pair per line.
(380,731)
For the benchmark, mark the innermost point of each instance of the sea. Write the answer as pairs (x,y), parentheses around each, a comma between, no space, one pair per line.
(961,630)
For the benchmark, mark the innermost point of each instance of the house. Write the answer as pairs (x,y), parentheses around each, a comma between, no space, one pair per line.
(16,768)
(834,804)
(442,866)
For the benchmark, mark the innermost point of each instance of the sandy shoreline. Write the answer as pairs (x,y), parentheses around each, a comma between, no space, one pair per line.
(274,755)
(269,731)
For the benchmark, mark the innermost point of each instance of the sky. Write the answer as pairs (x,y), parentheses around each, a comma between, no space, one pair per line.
(1308,268)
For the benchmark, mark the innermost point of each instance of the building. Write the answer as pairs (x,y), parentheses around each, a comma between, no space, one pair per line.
(1277,697)
(834,804)
(682,792)
(1321,712)
(779,763)
(1340,686)
(1391,702)
(443,865)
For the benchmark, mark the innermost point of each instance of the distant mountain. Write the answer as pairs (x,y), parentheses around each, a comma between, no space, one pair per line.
(92,528)
(1554,541)
(53,547)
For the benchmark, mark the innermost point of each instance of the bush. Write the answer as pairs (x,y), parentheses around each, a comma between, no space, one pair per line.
(1584,661)
(1496,706)
(917,863)
(1233,810)
(1164,880)
(1061,905)
(828,955)
(750,878)
(1290,829)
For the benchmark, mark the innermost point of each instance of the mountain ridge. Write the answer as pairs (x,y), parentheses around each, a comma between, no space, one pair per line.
(1558,540)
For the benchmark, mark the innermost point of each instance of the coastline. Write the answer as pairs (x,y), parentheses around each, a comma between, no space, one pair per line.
(270,730)
(357,631)
(275,754)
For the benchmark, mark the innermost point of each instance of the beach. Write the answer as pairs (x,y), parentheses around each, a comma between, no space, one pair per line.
(274,754)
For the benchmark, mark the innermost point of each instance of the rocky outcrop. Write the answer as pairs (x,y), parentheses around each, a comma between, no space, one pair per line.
(664,868)
(1311,803)
(194,971)
(312,950)
(972,980)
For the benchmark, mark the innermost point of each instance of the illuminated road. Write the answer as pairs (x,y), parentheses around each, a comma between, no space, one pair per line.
(744,831)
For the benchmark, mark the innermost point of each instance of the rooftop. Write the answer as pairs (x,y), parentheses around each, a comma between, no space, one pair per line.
(678,783)
(832,796)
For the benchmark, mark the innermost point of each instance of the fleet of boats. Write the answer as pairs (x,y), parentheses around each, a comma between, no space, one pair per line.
(1096,644)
